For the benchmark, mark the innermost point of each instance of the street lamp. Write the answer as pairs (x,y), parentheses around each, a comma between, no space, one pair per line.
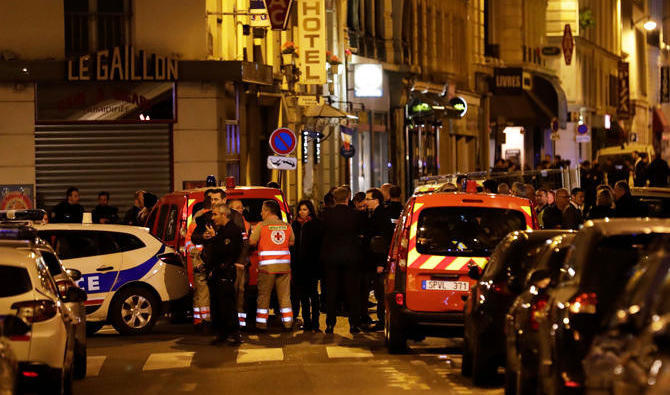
(649,25)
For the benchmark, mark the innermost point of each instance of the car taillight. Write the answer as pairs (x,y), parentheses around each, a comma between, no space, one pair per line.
(535,311)
(400,299)
(171,259)
(35,311)
(584,303)
(501,288)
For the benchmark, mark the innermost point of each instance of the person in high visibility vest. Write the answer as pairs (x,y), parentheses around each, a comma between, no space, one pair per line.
(273,237)
(241,279)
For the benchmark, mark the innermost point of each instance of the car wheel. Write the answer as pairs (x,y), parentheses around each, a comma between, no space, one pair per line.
(483,368)
(80,356)
(466,362)
(93,327)
(134,311)
(396,342)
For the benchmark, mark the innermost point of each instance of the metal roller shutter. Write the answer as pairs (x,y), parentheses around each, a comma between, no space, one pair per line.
(118,159)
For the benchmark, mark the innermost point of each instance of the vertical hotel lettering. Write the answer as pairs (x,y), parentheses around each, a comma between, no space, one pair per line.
(312,34)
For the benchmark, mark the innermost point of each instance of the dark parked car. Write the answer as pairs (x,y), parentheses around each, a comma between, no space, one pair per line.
(632,354)
(600,263)
(521,321)
(502,280)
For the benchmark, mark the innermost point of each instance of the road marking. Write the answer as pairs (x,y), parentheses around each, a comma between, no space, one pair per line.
(250,355)
(347,352)
(168,360)
(94,364)
(188,387)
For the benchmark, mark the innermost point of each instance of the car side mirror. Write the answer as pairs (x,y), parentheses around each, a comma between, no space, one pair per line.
(13,326)
(475,272)
(75,294)
(74,274)
(539,278)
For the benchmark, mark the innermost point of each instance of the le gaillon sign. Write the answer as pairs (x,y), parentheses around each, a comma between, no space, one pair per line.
(122,64)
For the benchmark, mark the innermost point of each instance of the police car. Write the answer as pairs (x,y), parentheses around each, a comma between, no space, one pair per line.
(128,274)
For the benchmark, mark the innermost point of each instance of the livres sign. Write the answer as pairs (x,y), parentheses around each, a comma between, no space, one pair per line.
(122,64)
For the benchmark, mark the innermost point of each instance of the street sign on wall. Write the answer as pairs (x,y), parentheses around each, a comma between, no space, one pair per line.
(568,44)
(283,141)
(623,106)
(278,11)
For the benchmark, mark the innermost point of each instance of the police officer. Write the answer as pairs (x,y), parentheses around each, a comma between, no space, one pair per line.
(223,244)
(273,238)
(241,280)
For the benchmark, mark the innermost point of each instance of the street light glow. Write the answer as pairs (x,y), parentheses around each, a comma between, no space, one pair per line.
(649,25)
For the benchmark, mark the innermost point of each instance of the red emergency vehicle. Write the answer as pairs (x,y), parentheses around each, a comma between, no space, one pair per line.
(173,216)
(439,238)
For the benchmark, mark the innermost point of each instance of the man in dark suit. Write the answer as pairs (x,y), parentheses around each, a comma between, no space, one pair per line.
(340,254)
(572,213)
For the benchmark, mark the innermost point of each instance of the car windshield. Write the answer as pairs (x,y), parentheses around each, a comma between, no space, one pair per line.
(14,281)
(465,231)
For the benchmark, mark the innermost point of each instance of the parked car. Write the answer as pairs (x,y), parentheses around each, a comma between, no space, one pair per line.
(439,237)
(65,279)
(173,216)
(651,202)
(130,276)
(602,258)
(9,368)
(502,280)
(45,350)
(521,326)
(633,351)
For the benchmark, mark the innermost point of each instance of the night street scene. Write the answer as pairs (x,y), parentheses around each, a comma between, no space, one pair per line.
(328,197)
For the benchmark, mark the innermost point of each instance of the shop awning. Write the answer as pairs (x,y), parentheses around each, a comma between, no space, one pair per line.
(536,106)
(324,111)
(659,124)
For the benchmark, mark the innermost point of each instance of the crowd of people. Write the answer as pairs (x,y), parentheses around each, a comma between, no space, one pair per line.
(71,211)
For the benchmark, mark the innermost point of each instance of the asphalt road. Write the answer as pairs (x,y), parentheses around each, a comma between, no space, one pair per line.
(174,360)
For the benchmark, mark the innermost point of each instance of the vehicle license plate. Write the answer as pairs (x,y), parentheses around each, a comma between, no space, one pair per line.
(445,285)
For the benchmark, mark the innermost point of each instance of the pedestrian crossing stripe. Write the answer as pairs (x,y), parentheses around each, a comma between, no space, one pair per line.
(347,352)
(94,365)
(168,360)
(251,355)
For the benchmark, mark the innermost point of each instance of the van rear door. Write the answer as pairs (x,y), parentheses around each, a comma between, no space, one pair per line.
(444,242)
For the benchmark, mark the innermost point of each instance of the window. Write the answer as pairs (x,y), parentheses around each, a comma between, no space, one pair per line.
(52,262)
(513,258)
(106,243)
(45,278)
(127,242)
(162,218)
(171,228)
(152,219)
(465,231)
(91,25)
(80,244)
(14,281)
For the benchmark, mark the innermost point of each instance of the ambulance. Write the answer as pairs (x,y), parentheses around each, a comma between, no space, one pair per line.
(439,239)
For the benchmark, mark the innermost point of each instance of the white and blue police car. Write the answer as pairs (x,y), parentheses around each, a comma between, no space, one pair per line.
(130,277)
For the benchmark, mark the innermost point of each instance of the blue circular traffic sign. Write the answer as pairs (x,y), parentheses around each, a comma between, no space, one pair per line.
(283,141)
(582,129)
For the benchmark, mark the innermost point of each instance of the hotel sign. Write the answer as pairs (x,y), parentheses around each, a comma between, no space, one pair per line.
(312,41)
(122,64)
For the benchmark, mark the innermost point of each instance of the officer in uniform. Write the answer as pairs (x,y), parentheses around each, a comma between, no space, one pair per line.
(241,280)
(222,245)
(273,238)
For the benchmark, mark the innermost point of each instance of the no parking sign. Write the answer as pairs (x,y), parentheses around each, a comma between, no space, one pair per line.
(283,141)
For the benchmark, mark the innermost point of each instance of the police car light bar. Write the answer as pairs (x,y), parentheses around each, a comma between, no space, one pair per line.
(22,215)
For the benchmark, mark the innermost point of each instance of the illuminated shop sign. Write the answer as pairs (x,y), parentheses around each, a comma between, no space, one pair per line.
(459,105)
(368,80)
(122,64)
